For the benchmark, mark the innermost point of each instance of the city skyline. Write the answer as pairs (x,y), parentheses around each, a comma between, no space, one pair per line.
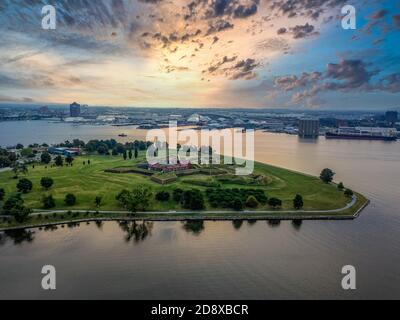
(223,54)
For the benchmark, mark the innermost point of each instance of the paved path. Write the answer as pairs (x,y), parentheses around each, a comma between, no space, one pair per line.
(347,206)
(5,169)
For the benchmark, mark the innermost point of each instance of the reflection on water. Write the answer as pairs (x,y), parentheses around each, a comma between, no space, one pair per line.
(193,226)
(237,224)
(297,224)
(17,237)
(136,231)
(274,223)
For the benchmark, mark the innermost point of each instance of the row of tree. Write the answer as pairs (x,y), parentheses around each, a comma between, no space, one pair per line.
(327,177)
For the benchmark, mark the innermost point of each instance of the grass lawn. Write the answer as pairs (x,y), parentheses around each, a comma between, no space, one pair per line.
(88,181)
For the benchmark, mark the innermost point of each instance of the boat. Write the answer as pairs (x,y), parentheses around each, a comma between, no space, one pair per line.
(362,133)
(122,135)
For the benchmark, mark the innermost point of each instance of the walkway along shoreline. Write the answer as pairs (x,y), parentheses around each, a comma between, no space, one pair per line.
(268,215)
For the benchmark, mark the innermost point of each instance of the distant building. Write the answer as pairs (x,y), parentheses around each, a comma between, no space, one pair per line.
(44,110)
(75,109)
(391,117)
(309,128)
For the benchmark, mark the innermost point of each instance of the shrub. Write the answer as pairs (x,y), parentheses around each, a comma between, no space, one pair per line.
(349,193)
(252,202)
(177,195)
(340,186)
(98,200)
(326,175)
(2,194)
(70,199)
(238,205)
(225,198)
(274,202)
(45,158)
(162,196)
(298,202)
(46,182)
(48,202)
(193,199)
(24,185)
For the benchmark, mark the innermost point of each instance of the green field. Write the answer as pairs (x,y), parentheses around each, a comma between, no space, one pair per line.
(88,181)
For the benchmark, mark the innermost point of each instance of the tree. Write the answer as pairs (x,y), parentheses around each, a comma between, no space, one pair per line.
(19,146)
(70,199)
(21,214)
(5,162)
(326,175)
(102,149)
(14,206)
(97,201)
(274,202)
(114,152)
(298,202)
(120,148)
(26,152)
(2,194)
(125,155)
(136,153)
(48,202)
(130,154)
(59,161)
(238,205)
(340,186)
(348,193)
(252,202)
(46,182)
(162,196)
(177,195)
(193,199)
(24,185)
(69,159)
(136,200)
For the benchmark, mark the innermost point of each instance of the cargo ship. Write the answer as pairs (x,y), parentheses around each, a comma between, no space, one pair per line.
(363,133)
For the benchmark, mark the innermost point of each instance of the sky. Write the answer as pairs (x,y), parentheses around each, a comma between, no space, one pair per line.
(202,54)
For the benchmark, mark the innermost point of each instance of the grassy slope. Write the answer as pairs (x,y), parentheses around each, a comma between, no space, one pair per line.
(88,181)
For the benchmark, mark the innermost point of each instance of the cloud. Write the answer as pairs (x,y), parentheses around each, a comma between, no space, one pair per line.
(396,20)
(309,8)
(17,100)
(352,73)
(242,11)
(235,9)
(291,82)
(244,70)
(273,45)
(281,31)
(379,14)
(219,25)
(346,76)
(214,67)
(390,83)
(302,31)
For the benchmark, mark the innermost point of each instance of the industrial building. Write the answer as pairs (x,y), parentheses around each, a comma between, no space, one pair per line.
(309,128)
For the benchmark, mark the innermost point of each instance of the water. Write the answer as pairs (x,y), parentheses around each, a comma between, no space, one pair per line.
(217,260)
